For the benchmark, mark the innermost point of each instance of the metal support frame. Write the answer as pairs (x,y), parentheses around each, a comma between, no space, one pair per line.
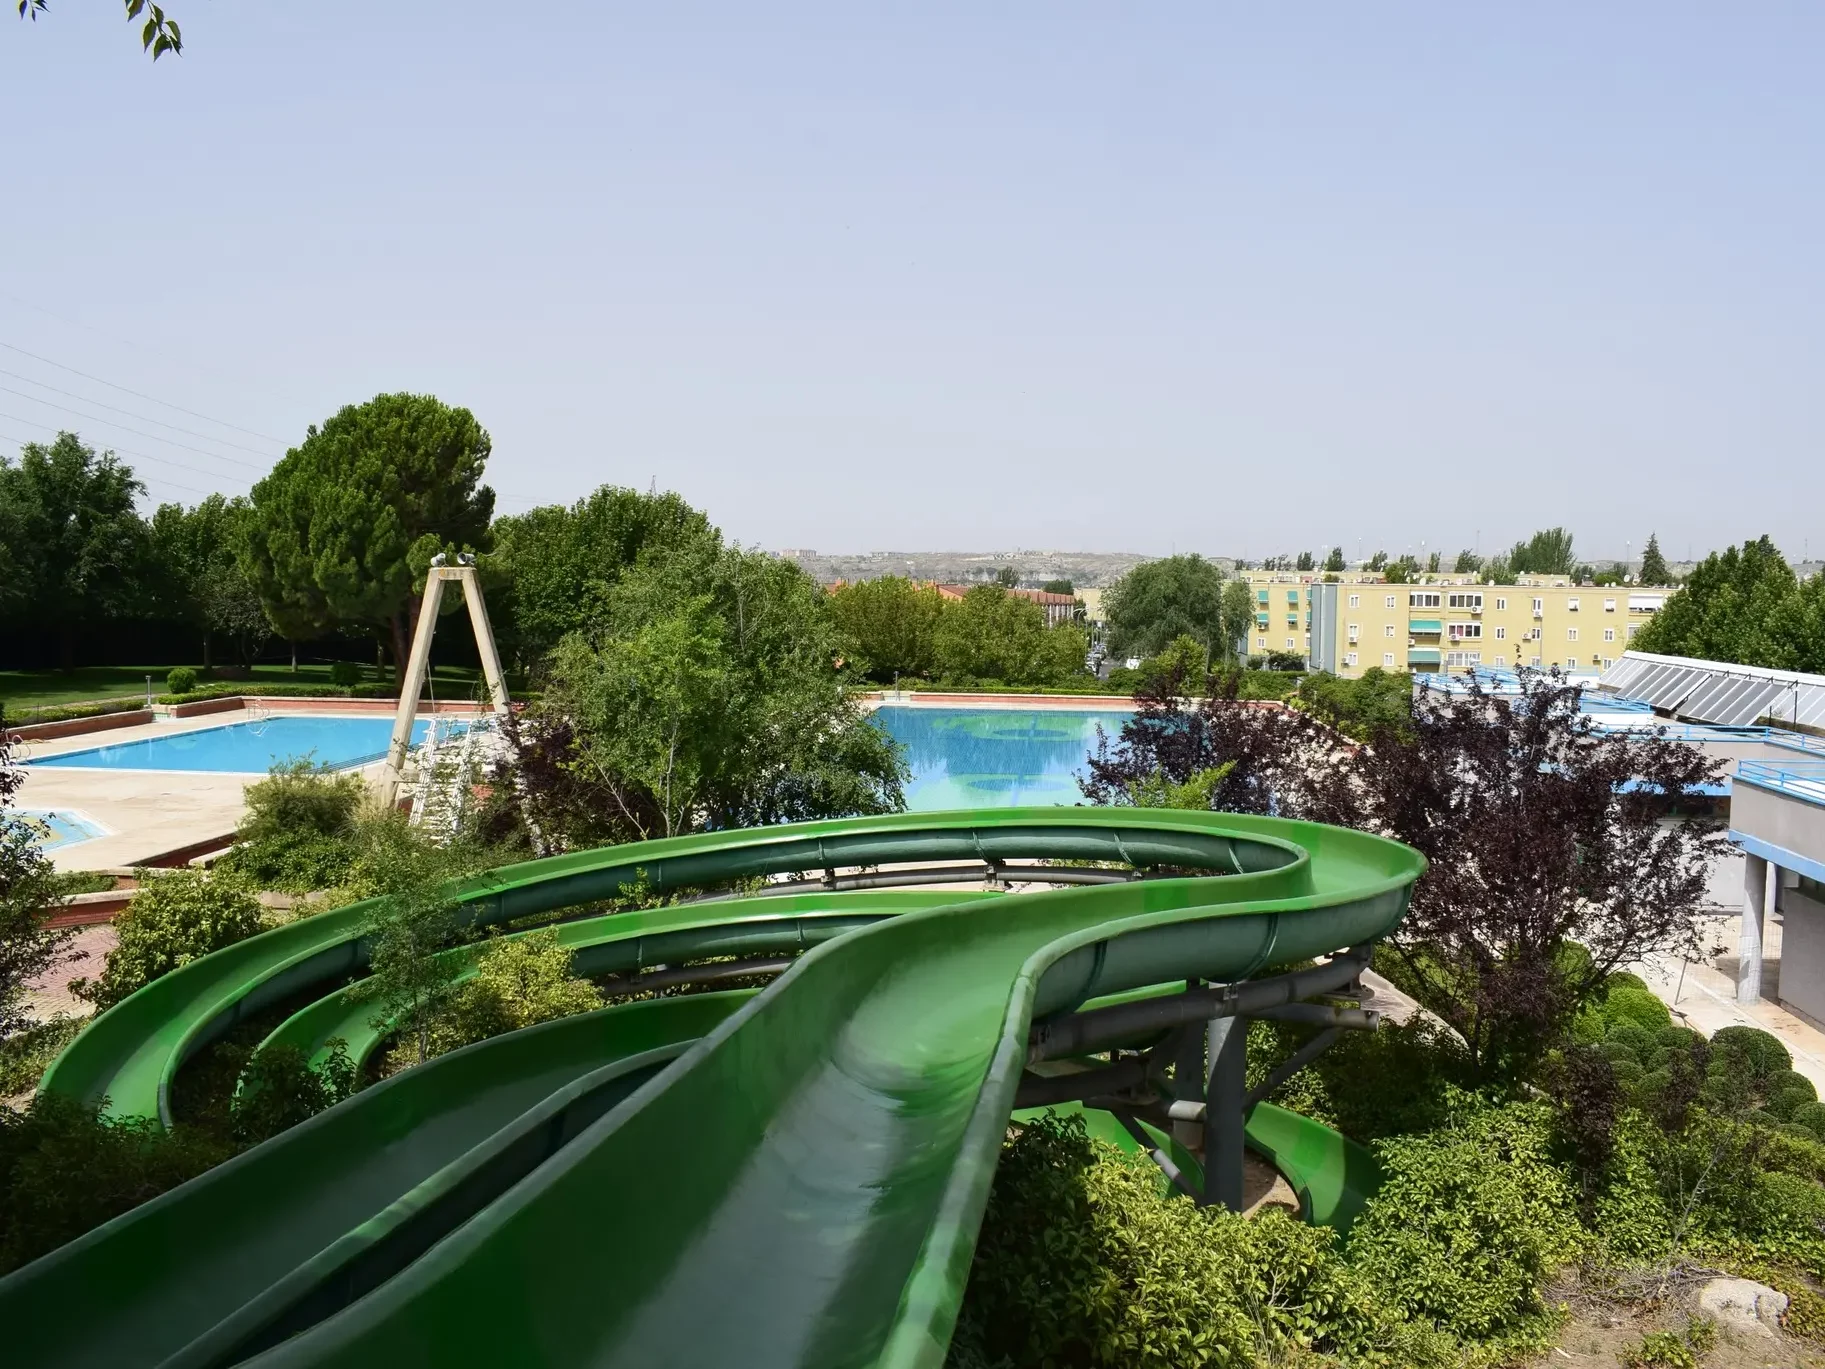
(419,664)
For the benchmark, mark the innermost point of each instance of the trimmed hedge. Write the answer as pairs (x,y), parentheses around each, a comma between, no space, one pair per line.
(63,713)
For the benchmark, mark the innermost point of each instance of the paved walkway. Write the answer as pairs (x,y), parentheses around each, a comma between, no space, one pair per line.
(1702,994)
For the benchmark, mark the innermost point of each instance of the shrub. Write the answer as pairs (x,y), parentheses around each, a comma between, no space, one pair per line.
(298,834)
(1627,1003)
(345,673)
(1082,1261)
(26,1055)
(1811,1116)
(1786,1206)
(1671,1350)
(174,919)
(181,680)
(1469,1222)
(1640,1042)
(1761,1051)
(280,1088)
(518,982)
(1388,1082)
(65,1169)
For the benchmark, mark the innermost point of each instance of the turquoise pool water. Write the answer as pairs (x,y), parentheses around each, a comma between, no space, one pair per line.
(53,829)
(250,748)
(995,757)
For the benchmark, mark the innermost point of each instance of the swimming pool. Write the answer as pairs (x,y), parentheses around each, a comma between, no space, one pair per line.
(248,748)
(995,757)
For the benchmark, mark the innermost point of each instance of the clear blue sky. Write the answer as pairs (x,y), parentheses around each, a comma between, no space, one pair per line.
(1236,279)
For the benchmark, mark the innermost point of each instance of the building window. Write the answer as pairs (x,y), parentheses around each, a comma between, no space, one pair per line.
(1349,658)
(1501,660)
(1501,605)
(1387,658)
(1289,644)
(1356,601)
(1261,643)
(1609,605)
(1607,663)
(1539,607)
(1609,634)
(1473,602)
(1389,602)
(1632,627)
(1571,634)
(1422,600)
(1463,658)
(1501,634)
(1571,605)
(1261,596)
(1458,631)
(1534,662)
(1355,632)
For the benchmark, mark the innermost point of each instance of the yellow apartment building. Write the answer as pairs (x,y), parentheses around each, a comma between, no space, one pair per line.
(1447,623)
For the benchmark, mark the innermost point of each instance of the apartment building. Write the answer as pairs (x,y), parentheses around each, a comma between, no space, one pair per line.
(1446,624)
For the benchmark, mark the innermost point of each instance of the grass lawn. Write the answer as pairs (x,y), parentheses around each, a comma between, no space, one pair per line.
(89,684)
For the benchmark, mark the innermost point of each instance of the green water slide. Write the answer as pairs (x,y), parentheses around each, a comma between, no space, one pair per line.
(792,1176)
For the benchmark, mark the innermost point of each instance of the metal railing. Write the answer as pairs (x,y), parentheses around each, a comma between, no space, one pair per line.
(1803,779)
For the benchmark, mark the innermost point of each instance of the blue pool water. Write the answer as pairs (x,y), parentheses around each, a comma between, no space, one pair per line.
(995,757)
(250,748)
(52,829)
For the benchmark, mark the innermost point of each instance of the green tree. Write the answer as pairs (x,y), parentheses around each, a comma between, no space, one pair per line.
(347,523)
(29,945)
(1547,552)
(518,982)
(1058,587)
(705,693)
(1432,564)
(1378,561)
(174,919)
(1007,577)
(158,35)
(201,576)
(1334,562)
(1238,616)
(1305,561)
(551,567)
(1160,600)
(1743,605)
(1403,572)
(1654,568)
(889,625)
(77,545)
(1468,563)
(991,635)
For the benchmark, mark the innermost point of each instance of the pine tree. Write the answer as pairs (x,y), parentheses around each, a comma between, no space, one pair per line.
(1654,569)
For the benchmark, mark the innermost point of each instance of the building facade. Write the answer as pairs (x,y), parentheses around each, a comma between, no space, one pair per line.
(1446,624)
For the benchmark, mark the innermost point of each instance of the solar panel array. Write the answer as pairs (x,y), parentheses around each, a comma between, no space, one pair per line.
(1717,692)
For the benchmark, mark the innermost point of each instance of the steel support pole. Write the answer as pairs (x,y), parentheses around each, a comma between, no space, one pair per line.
(1226,1040)
(1188,1083)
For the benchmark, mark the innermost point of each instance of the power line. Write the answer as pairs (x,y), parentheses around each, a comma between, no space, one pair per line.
(188,489)
(144,456)
(137,394)
(110,423)
(143,418)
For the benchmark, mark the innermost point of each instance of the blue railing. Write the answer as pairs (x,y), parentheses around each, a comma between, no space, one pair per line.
(1803,779)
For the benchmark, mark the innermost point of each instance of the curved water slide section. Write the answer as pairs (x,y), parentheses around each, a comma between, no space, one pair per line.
(803,1184)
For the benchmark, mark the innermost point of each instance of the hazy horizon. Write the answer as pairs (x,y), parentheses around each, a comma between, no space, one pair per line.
(1245,283)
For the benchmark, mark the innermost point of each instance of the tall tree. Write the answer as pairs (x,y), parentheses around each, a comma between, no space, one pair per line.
(1547,552)
(889,626)
(1468,563)
(992,635)
(704,693)
(1305,561)
(1334,562)
(1403,572)
(198,553)
(551,568)
(1432,563)
(1378,561)
(77,543)
(1238,617)
(1654,568)
(1159,600)
(1742,605)
(348,521)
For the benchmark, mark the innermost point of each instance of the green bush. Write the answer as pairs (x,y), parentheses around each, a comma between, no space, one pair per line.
(280,1088)
(1628,1003)
(1082,1261)
(65,1169)
(26,1055)
(1615,1051)
(345,674)
(181,680)
(299,831)
(1811,1116)
(1785,1205)
(174,919)
(1761,1051)
(1470,1221)
(1628,1072)
(1388,1082)
(1637,1039)
(518,982)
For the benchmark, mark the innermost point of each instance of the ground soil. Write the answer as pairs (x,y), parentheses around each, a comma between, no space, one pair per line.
(1601,1331)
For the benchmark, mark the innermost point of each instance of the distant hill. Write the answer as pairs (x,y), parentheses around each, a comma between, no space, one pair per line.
(1084,569)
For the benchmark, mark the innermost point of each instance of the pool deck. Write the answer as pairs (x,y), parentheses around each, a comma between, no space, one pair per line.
(145,812)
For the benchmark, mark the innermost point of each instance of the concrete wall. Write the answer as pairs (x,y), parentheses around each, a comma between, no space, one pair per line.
(1780,819)
(1803,953)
